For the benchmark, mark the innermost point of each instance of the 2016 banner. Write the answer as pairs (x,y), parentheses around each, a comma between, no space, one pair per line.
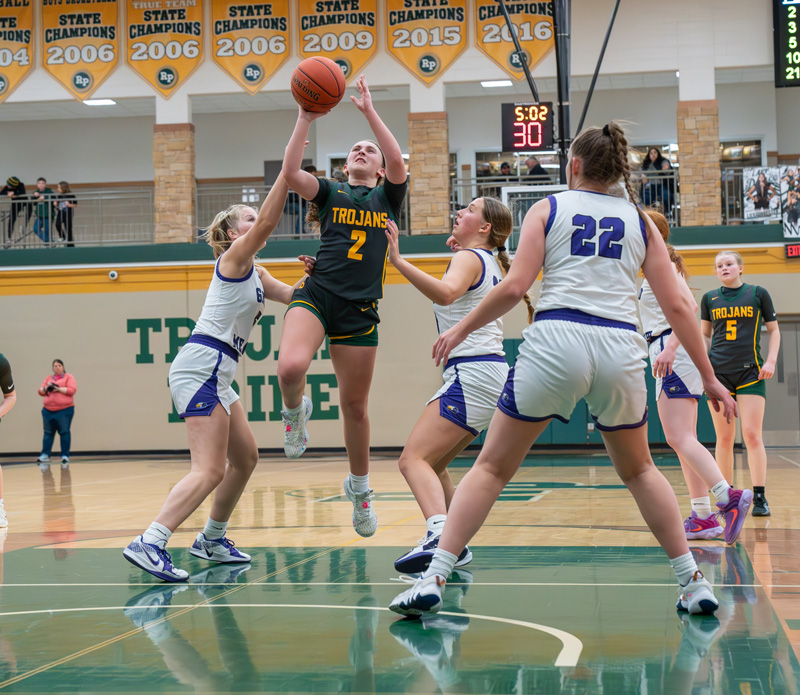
(426,40)
(80,43)
(16,44)
(533,24)
(250,39)
(346,32)
(164,41)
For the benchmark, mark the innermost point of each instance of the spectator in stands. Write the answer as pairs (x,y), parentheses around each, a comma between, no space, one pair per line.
(43,197)
(658,188)
(15,190)
(505,169)
(536,170)
(58,391)
(65,205)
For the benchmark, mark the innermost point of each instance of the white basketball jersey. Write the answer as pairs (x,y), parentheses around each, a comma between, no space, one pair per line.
(594,247)
(487,340)
(232,308)
(653,320)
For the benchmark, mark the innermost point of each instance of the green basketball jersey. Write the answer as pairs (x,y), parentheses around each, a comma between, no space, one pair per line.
(352,257)
(736,316)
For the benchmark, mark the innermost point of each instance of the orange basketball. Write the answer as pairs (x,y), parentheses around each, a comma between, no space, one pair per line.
(318,84)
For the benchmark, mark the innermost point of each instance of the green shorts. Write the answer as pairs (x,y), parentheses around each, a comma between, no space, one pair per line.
(345,322)
(744,381)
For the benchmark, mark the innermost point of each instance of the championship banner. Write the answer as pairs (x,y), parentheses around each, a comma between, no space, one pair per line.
(533,22)
(164,41)
(344,31)
(80,43)
(426,40)
(16,44)
(251,39)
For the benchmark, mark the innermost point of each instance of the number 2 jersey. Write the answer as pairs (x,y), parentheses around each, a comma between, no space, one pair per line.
(736,315)
(595,245)
(351,262)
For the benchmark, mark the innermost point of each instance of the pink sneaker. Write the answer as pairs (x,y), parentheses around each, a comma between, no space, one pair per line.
(698,528)
(735,512)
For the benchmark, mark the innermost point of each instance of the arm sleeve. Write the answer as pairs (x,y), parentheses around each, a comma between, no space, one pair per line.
(705,314)
(395,194)
(6,378)
(767,308)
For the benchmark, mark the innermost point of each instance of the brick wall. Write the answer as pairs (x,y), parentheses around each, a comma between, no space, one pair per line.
(175,184)
(698,152)
(429,168)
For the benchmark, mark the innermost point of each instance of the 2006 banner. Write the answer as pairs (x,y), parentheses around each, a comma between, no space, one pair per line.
(16,44)
(346,32)
(533,24)
(250,39)
(80,43)
(426,40)
(164,41)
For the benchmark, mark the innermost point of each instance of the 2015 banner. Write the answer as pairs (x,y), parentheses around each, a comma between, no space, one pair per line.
(80,43)
(250,39)
(533,24)
(164,41)
(345,31)
(16,44)
(426,40)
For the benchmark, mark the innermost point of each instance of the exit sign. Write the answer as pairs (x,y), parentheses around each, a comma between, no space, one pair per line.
(793,250)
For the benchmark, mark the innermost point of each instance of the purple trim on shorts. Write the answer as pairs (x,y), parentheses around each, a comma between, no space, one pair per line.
(603,428)
(225,279)
(206,399)
(453,361)
(578,316)
(653,338)
(673,381)
(214,344)
(483,271)
(453,407)
(552,216)
(508,404)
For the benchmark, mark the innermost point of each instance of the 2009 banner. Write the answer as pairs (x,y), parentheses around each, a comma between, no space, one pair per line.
(164,41)
(16,44)
(80,43)
(533,24)
(344,31)
(426,40)
(250,39)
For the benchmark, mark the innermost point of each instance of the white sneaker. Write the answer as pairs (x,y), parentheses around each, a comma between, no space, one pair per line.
(43,458)
(157,561)
(365,521)
(65,461)
(697,597)
(421,599)
(295,435)
(3,517)
(217,550)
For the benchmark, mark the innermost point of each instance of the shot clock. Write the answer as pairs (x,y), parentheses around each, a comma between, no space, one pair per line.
(527,127)
(786,31)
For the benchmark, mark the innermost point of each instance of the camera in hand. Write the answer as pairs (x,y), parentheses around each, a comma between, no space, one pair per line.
(50,388)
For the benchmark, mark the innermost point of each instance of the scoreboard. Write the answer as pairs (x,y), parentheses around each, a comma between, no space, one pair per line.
(786,32)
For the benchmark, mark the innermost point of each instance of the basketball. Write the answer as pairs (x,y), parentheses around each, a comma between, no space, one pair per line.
(318,84)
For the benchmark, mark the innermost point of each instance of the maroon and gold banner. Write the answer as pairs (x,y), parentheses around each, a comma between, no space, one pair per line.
(534,26)
(164,41)
(426,40)
(251,39)
(80,43)
(16,44)
(345,31)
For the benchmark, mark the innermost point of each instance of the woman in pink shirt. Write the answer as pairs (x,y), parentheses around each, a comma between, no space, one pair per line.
(58,390)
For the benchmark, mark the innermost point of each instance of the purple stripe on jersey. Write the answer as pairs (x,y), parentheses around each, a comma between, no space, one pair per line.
(653,338)
(551,218)
(224,279)
(621,427)
(483,271)
(577,316)
(642,225)
(215,344)
(473,358)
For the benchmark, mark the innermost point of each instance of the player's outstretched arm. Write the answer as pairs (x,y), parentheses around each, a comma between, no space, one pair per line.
(304,183)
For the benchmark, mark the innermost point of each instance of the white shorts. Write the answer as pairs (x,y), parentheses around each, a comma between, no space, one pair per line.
(685,381)
(579,356)
(201,376)
(471,388)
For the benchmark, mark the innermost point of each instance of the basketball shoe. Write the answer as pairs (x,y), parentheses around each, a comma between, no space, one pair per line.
(760,505)
(217,550)
(417,559)
(424,597)
(365,521)
(157,561)
(735,512)
(697,597)
(698,528)
(295,435)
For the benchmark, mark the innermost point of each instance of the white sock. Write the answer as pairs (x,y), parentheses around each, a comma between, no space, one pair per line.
(684,567)
(292,411)
(435,523)
(442,564)
(157,534)
(721,491)
(215,530)
(702,506)
(359,483)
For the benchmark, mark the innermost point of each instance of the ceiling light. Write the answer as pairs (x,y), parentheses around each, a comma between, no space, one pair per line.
(100,102)
(677,73)
(497,83)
